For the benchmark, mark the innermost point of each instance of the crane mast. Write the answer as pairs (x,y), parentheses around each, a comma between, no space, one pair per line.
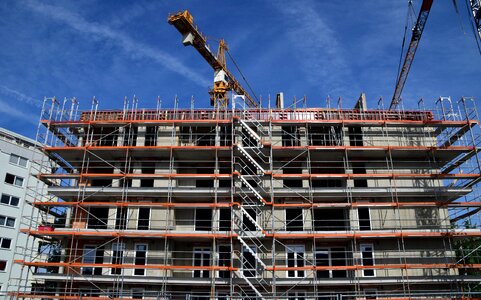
(476,10)
(413,45)
(224,81)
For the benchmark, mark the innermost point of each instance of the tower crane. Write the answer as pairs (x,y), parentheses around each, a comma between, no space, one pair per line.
(413,45)
(224,81)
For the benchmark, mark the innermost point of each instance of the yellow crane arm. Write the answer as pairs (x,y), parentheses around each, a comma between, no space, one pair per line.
(184,22)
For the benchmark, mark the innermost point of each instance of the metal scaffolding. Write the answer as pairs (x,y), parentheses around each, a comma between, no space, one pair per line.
(309,203)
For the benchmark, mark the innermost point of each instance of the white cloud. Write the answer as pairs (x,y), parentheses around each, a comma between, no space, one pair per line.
(19,96)
(16,113)
(121,39)
(317,48)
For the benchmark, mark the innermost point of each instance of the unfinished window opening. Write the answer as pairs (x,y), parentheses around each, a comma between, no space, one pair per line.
(330,219)
(294,219)
(143,220)
(121,218)
(105,136)
(327,168)
(225,182)
(364,218)
(367,258)
(126,169)
(203,219)
(225,136)
(328,257)
(147,168)
(98,217)
(101,182)
(224,260)
(224,219)
(201,259)
(325,136)
(140,258)
(291,136)
(295,259)
(247,224)
(359,168)
(355,136)
(292,183)
(205,182)
(130,135)
(201,136)
(117,257)
(249,262)
(151,136)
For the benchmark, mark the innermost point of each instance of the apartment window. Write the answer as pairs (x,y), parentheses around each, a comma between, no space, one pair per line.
(5,243)
(364,218)
(117,257)
(7,221)
(143,221)
(327,257)
(249,262)
(330,219)
(295,259)
(201,259)
(14,179)
(140,258)
(367,258)
(88,258)
(9,200)
(18,160)
(294,219)
(203,219)
(3,265)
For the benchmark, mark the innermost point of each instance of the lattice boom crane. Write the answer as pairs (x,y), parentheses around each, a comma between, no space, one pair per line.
(224,81)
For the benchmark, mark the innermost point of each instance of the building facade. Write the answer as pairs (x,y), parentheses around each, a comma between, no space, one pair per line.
(258,204)
(15,155)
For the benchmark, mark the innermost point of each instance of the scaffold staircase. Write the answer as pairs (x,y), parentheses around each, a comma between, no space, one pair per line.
(250,164)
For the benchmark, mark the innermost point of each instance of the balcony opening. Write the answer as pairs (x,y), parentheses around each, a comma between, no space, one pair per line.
(224,260)
(201,259)
(143,221)
(355,136)
(292,183)
(203,219)
(151,136)
(325,136)
(359,168)
(367,258)
(333,219)
(147,168)
(130,135)
(98,218)
(364,215)
(327,168)
(294,219)
(121,218)
(327,257)
(93,255)
(224,219)
(205,182)
(117,257)
(291,136)
(140,258)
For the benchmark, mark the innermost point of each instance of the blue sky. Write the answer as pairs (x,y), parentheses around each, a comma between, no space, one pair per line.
(113,49)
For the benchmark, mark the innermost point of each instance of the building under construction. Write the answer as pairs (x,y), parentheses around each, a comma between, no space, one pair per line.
(307,203)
